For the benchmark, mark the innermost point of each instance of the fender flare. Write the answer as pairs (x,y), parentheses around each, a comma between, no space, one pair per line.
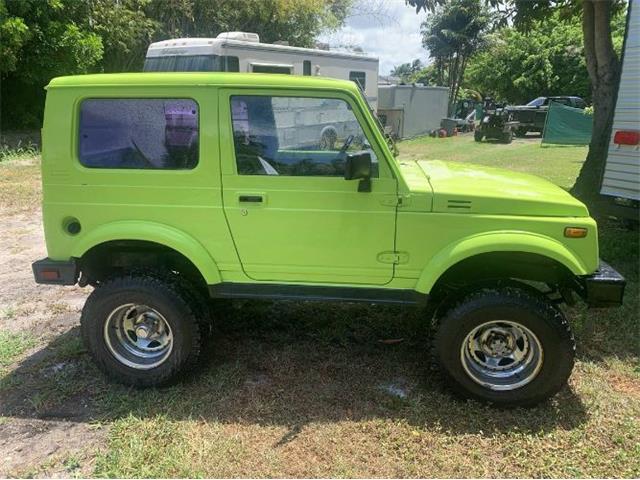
(159,233)
(468,247)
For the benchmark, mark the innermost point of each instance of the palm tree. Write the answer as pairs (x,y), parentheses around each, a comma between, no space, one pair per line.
(453,34)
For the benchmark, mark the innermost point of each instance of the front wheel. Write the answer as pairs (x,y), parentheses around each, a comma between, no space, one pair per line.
(507,137)
(507,346)
(477,135)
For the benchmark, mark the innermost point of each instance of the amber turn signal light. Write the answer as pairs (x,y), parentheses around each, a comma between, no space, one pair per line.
(575,232)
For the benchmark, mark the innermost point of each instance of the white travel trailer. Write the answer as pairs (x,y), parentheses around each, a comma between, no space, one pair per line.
(622,171)
(243,52)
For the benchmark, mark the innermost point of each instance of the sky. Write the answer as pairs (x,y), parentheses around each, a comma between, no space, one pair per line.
(392,34)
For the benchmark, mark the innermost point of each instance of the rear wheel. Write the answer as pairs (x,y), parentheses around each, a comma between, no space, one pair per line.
(477,135)
(141,330)
(508,346)
(521,132)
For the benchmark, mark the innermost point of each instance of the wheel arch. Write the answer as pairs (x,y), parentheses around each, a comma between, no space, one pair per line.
(157,234)
(496,248)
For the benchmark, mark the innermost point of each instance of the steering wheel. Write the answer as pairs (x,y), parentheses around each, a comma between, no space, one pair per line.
(347,143)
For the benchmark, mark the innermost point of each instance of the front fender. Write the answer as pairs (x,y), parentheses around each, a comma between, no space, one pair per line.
(153,232)
(526,242)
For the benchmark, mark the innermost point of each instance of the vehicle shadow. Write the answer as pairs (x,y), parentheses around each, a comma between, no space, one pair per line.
(282,365)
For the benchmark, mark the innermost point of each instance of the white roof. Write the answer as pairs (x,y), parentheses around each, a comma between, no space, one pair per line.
(203,46)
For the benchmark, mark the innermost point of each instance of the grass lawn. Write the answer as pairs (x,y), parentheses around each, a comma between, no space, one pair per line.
(305,390)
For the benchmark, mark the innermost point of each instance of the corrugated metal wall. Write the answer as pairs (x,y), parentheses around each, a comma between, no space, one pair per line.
(622,171)
(422,107)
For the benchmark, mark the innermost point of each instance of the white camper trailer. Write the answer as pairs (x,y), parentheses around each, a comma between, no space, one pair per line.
(622,171)
(243,52)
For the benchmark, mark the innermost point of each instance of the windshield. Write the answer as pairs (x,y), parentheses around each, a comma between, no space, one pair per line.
(538,102)
(185,63)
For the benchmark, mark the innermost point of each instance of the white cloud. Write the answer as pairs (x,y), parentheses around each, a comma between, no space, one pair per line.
(392,35)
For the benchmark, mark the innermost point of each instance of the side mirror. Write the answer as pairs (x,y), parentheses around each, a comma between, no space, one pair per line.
(358,167)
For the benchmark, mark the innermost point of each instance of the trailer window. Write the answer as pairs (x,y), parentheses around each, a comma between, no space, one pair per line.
(306,68)
(136,133)
(359,78)
(271,69)
(231,63)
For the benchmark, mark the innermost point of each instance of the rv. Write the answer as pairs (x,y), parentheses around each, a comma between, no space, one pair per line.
(243,52)
(621,180)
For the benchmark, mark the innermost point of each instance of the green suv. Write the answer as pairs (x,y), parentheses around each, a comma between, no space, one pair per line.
(166,191)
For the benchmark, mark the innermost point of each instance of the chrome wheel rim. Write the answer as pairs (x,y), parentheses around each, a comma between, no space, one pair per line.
(501,355)
(138,336)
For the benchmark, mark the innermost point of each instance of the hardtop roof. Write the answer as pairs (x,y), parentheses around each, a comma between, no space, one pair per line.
(202,78)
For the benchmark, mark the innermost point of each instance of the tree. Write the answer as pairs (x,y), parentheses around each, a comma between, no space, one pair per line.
(517,67)
(43,40)
(547,60)
(452,35)
(602,64)
(296,22)
(407,71)
(125,30)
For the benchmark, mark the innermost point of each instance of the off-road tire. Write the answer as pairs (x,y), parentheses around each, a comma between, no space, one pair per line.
(169,297)
(507,137)
(527,307)
(477,135)
(521,132)
(328,140)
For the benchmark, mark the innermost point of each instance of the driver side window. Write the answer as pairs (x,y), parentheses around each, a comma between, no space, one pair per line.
(295,136)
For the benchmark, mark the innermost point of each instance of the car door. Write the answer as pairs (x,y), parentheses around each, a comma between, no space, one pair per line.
(292,215)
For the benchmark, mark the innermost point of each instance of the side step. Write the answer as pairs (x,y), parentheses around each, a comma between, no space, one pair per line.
(320,293)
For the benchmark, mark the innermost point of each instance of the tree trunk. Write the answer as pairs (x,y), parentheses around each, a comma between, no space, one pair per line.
(604,73)
(463,67)
(453,79)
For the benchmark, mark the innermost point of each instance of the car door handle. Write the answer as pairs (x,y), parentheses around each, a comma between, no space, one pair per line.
(250,198)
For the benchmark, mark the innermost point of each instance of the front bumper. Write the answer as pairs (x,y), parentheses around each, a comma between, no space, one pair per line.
(604,288)
(54,272)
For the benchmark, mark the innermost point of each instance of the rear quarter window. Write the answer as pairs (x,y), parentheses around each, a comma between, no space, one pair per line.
(158,134)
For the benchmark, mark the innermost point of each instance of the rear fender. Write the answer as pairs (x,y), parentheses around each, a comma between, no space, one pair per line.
(171,237)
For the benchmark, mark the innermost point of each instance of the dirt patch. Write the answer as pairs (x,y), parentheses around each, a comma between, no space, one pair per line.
(27,443)
(625,384)
(24,305)
(36,439)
